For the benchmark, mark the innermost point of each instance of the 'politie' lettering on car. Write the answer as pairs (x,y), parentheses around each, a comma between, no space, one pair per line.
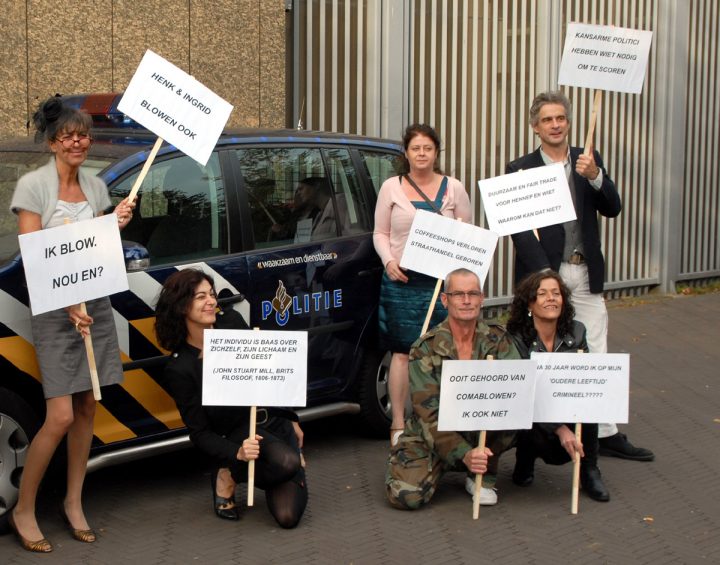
(284,305)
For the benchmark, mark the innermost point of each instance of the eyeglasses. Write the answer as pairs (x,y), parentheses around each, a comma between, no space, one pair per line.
(67,141)
(460,295)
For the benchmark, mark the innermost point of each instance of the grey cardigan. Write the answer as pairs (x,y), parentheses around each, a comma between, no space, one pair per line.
(37,192)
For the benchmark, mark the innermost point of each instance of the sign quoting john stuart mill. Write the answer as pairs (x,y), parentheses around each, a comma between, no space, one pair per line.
(73,263)
(254,368)
(175,106)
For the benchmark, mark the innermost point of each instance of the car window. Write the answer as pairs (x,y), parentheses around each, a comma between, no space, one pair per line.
(380,166)
(289,195)
(353,209)
(180,213)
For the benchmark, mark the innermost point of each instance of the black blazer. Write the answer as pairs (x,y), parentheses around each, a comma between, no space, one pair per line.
(532,255)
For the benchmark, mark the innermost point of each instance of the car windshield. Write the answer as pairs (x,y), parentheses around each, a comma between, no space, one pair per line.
(13,165)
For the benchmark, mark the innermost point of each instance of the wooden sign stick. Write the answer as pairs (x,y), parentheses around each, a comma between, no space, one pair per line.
(146,167)
(576,467)
(593,119)
(429,314)
(576,473)
(478,478)
(251,463)
(94,379)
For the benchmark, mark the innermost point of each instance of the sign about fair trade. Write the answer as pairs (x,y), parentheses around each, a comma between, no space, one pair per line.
(605,57)
(437,245)
(527,200)
(486,395)
(585,388)
(175,106)
(254,368)
(73,263)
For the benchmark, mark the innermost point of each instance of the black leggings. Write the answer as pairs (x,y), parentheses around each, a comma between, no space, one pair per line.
(278,471)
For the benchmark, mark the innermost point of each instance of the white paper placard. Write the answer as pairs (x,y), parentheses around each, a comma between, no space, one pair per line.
(175,106)
(73,263)
(438,245)
(586,388)
(526,200)
(605,57)
(486,395)
(254,368)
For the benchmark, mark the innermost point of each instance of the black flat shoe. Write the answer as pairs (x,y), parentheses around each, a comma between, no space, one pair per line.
(617,445)
(224,507)
(591,481)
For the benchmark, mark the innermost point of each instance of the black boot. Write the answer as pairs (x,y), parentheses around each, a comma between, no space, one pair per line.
(617,445)
(592,484)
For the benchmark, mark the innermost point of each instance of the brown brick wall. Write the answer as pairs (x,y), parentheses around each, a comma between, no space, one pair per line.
(234,47)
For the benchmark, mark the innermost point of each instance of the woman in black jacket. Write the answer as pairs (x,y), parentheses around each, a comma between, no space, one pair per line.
(186,307)
(541,319)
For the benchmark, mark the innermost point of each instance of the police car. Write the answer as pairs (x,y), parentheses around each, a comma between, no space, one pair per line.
(240,218)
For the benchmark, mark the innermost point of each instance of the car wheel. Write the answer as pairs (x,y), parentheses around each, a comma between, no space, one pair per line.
(18,425)
(373,393)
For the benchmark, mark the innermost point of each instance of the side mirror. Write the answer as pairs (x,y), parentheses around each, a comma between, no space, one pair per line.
(137,257)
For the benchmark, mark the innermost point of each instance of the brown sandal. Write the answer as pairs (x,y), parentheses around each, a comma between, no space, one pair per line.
(85,536)
(40,546)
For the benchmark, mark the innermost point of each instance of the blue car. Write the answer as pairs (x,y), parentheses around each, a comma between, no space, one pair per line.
(281,219)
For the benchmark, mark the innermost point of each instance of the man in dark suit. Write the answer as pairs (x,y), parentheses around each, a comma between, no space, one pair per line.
(573,248)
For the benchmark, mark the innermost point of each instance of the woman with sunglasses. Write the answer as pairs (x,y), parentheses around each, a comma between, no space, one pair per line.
(57,193)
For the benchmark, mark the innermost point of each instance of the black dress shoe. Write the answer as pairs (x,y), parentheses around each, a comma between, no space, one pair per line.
(591,481)
(224,507)
(524,472)
(617,445)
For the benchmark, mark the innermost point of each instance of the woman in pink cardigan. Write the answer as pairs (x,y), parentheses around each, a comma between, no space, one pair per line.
(405,295)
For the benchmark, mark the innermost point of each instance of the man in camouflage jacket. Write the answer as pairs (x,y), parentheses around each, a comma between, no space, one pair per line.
(423,454)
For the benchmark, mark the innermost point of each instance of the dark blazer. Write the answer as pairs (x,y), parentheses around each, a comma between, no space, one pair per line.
(532,255)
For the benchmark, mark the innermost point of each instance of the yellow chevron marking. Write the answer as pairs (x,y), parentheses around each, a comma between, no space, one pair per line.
(108,428)
(21,354)
(152,397)
(146,326)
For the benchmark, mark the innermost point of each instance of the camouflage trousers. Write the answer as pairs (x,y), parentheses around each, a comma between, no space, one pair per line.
(414,470)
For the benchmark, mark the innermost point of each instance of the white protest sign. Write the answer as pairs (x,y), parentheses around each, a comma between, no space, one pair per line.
(526,200)
(254,368)
(486,395)
(591,387)
(438,245)
(175,106)
(605,57)
(73,263)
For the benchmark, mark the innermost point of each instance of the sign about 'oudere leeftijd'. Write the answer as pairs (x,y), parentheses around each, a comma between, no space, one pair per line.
(586,388)
(526,200)
(486,395)
(73,263)
(254,368)
(175,106)
(605,57)
(437,245)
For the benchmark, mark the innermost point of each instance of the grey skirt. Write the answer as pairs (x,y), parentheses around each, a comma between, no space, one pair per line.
(60,350)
